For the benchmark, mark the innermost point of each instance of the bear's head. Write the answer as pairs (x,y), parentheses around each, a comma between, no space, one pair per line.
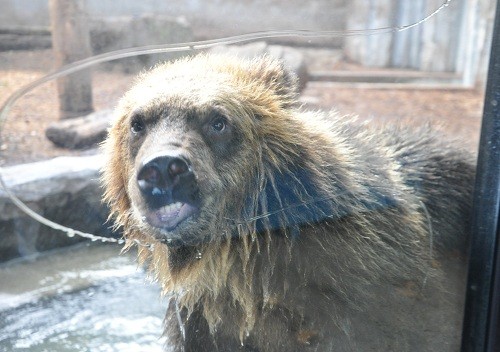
(196,142)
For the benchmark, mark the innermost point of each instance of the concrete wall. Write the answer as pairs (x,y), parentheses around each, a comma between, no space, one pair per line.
(456,40)
(430,47)
(24,13)
(211,18)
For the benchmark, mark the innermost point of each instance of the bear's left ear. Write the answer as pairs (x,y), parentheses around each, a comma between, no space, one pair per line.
(277,77)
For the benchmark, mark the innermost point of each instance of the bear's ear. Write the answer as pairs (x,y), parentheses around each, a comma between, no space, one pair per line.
(274,74)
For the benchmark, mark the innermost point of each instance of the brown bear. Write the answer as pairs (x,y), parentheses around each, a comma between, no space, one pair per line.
(277,229)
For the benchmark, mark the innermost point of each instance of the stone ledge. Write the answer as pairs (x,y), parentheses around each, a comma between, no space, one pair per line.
(34,181)
(65,190)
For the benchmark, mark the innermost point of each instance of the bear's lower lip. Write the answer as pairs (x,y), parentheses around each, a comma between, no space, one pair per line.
(170,216)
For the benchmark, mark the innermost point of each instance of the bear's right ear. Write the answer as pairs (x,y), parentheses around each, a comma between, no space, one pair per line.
(277,77)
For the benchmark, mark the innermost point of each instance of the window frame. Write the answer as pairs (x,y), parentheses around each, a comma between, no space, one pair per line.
(481,330)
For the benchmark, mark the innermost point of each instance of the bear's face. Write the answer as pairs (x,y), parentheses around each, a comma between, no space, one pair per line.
(183,168)
(189,141)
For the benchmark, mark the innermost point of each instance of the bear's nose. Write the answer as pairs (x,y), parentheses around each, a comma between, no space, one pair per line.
(162,173)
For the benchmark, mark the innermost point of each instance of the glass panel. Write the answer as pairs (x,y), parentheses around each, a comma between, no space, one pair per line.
(290,175)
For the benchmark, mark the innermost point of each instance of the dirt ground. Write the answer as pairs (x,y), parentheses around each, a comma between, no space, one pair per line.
(22,135)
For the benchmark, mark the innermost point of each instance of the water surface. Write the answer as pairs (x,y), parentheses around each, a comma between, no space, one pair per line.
(88,298)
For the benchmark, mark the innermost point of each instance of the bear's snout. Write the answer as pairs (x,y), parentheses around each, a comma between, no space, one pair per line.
(163,173)
(166,179)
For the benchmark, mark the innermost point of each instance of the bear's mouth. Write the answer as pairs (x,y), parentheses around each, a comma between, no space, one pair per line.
(170,216)
(169,197)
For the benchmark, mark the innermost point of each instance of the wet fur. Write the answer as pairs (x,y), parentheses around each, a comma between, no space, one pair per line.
(314,220)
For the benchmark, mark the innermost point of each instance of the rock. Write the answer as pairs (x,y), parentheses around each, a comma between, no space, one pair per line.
(81,132)
(293,59)
(246,51)
(24,42)
(65,190)
(24,38)
(35,181)
(115,33)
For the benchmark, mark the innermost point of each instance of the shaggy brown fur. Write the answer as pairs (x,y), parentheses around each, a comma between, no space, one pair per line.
(298,230)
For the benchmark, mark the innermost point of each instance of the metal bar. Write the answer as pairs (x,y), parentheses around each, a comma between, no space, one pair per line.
(481,316)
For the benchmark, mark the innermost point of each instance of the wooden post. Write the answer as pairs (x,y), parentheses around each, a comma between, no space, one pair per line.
(70,43)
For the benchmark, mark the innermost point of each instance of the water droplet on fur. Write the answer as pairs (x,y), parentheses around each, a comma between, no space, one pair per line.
(179,320)
(143,219)
(198,255)
(169,240)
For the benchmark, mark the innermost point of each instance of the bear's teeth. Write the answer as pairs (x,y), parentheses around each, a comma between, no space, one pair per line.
(172,207)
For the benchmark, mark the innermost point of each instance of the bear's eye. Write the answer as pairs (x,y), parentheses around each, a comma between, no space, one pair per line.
(217,129)
(219,125)
(137,125)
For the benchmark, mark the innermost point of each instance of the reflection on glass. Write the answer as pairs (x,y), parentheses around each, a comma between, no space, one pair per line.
(271,217)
